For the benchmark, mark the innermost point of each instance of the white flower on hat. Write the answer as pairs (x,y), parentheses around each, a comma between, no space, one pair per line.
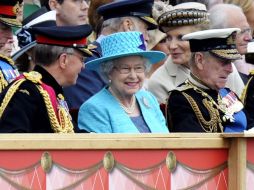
(159,8)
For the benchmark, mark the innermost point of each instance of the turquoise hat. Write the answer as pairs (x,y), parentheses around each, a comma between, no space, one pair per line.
(124,44)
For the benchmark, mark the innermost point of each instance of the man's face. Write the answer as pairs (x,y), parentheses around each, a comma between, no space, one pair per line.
(179,49)
(72,12)
(5,34)
(238,20)
(215,71)
(74,65)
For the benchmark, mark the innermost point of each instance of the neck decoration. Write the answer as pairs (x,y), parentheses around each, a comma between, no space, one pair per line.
(128,110)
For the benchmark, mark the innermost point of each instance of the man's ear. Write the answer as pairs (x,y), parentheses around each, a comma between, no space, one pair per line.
(127,25)
(199,60)
(53,4)
(63,60)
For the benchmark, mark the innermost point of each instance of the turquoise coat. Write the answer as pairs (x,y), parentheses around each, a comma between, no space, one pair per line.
(103,114)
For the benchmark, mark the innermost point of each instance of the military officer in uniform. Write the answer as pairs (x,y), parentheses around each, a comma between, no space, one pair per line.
(202,103)
(34,102)
(8,15)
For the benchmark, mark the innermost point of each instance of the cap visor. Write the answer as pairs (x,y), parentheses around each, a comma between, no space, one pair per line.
(19,53)
(10,22)
(152,24)
(232,55)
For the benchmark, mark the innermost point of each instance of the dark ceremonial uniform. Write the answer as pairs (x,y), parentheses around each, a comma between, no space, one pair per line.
(36,105)
(193,107)
(248,99)
(8,72)
(8,15)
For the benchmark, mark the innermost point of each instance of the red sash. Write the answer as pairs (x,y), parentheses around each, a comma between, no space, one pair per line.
(51,93)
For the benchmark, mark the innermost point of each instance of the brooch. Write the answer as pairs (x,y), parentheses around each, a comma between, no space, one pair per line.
(145,102)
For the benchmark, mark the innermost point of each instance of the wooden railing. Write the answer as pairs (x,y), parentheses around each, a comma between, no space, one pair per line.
(231,146)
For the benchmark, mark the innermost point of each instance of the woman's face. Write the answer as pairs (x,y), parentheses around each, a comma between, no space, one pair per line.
(127,75)
(179,49)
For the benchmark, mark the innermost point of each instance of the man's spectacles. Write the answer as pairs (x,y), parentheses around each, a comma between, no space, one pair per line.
(81,58)
(127,70)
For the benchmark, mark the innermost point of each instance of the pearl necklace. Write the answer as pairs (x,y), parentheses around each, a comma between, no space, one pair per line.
(128,110)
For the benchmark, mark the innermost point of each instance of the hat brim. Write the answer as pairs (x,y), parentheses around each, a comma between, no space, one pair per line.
(231,54)
(152,56)
(155,36)
(19,53)
(152,24)
(10,22)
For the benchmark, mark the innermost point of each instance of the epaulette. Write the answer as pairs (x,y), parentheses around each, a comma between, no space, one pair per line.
(183,87)
(34,77)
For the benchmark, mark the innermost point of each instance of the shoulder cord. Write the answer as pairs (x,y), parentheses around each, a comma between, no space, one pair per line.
(11,91)
(65,125)
(3,82)
(215,121)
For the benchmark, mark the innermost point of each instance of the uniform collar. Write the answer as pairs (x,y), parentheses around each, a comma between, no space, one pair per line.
(48,79)
(197,82)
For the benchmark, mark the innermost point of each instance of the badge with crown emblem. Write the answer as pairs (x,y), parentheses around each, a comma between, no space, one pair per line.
(16,8)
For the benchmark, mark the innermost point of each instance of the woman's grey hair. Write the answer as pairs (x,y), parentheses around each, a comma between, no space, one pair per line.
(48,54)
(221,11)
(107,67)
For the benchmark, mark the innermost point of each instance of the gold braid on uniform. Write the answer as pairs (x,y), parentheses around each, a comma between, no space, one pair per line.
(214,122)
(63,114)
(65,125)
(3,82)
(11,91)
(7,59)
(244,93)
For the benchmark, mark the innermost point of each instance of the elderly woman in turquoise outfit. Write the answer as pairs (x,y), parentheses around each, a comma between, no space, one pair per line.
(123,106)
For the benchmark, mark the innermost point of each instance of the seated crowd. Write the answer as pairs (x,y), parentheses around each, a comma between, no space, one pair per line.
(129,66)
